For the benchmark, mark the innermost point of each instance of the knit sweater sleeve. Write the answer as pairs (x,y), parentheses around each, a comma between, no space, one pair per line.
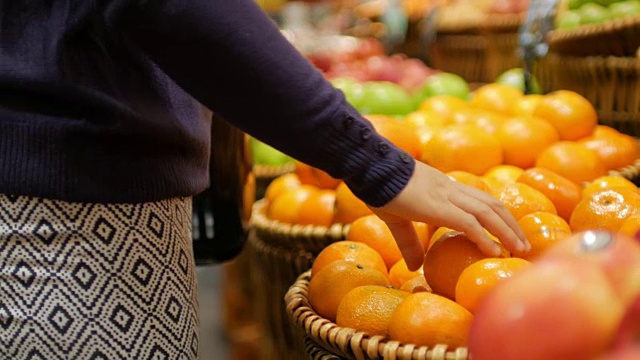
(232,58)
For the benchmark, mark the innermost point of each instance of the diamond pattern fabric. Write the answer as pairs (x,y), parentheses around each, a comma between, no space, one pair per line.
(96,281)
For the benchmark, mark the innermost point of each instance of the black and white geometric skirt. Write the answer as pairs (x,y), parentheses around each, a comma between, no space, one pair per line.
(92,281)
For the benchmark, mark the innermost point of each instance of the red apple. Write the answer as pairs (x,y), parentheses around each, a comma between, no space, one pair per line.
(618,255)
(559,308)
(628,335)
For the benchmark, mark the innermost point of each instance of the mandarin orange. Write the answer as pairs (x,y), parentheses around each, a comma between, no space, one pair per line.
(318,208)
(427,319)
(563,193)
(542,230)
(348,207)
(524,138)
(569,112)
(329,285)
(280,183)
(496,97)
(572,160)
(348,251)
(521,199)
(477,279)
(607,182)
(605,209)
(314,176)
(285,206)
(399,273)
(446,258)
(371,230)
(463,147)
(368,308)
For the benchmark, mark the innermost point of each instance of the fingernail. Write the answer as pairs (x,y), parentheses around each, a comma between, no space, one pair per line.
(527,245)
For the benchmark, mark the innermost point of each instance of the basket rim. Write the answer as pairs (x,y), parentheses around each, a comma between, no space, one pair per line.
(261,222)
(355,342)
(272,171)
(489,23)
(617,29)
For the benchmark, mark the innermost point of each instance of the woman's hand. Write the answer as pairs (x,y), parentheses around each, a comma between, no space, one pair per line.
(433,198)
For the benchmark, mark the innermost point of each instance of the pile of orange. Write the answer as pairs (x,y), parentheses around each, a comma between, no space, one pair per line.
(543,156)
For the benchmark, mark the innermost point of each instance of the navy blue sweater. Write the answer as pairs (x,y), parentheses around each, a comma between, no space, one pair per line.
(106,101)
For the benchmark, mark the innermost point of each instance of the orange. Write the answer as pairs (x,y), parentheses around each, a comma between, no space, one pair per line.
(569,112)
(285,206)
(416,284)
(314,176)
(605,209)
(470,179)
(329,285)
(526,105)
(397,132)
(482,276)
(489,121)
(524,138)
(348,207)
(400,273)
(463,147)
(281,183)
(631,226)
(502,174)
(368,308)
(607,182)
(543,230)
(496,97)
(572,160)
(424,232)
(371,230)
(563,193)
(317,209)
(425,119)
(445,260)
(348,251)
(427,319)
(521,199)
(443,105)
(615,150)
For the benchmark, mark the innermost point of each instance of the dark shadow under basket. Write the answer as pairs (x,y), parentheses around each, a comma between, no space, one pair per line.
(346,343)
(279,253)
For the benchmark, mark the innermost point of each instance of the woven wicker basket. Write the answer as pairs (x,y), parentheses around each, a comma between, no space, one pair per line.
(279,253)
(614,38)
(611,84)
(345,343)
(478,52)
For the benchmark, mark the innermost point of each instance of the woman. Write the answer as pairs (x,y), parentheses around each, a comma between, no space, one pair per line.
(105,138)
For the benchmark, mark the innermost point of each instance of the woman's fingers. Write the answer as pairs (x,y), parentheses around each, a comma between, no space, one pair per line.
(494,217)
(407,239)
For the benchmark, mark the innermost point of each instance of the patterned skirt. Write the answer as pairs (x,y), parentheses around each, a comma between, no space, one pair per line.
(94,281)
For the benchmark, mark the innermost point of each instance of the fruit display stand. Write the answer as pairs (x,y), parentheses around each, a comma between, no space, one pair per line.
(279,253)
(323,337)
(478,51)
(599,61)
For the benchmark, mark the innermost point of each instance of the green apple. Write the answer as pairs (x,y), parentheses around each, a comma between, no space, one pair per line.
(264,154)
(385,98)
(592,13)
(515,77)
(626,8)
(568,20)
(443,83)
(352,89)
